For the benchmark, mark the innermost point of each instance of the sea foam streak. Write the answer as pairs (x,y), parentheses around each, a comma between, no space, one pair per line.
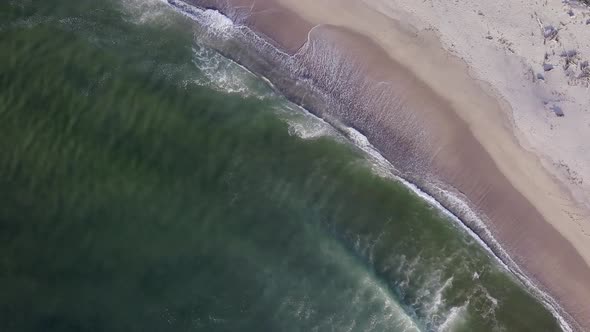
(222,25)
(221,74)
(145,11)
(384,168)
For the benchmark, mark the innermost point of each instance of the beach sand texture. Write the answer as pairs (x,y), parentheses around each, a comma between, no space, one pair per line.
(447,108)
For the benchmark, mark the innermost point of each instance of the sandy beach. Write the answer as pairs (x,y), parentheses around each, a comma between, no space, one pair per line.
(488,102)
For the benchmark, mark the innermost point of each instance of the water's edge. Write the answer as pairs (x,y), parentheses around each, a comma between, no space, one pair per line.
(260,58)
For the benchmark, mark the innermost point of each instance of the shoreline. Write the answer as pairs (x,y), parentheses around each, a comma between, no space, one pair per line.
(293,91)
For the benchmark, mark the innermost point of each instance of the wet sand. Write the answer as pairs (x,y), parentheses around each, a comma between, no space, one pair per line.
(420,108)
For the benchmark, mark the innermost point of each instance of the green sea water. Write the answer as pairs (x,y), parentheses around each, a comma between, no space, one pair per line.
(149,184)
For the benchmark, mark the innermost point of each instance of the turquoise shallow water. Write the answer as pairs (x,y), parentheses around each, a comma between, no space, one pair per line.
(149,184)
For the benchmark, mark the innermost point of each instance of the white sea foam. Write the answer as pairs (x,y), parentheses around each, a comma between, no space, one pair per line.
(396,315)
(220,73)
(147,11)
(308,130)
(215,22)
(384,168)
(222,26)
(370,287)
(437,300)
(455,317)
(365,290)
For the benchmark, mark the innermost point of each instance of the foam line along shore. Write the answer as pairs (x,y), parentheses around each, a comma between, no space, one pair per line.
(157,174)
(437,141)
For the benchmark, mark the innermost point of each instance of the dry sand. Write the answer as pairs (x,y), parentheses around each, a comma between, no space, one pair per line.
(453,87)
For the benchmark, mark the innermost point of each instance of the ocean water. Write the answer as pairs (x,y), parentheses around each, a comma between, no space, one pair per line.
(147,183)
